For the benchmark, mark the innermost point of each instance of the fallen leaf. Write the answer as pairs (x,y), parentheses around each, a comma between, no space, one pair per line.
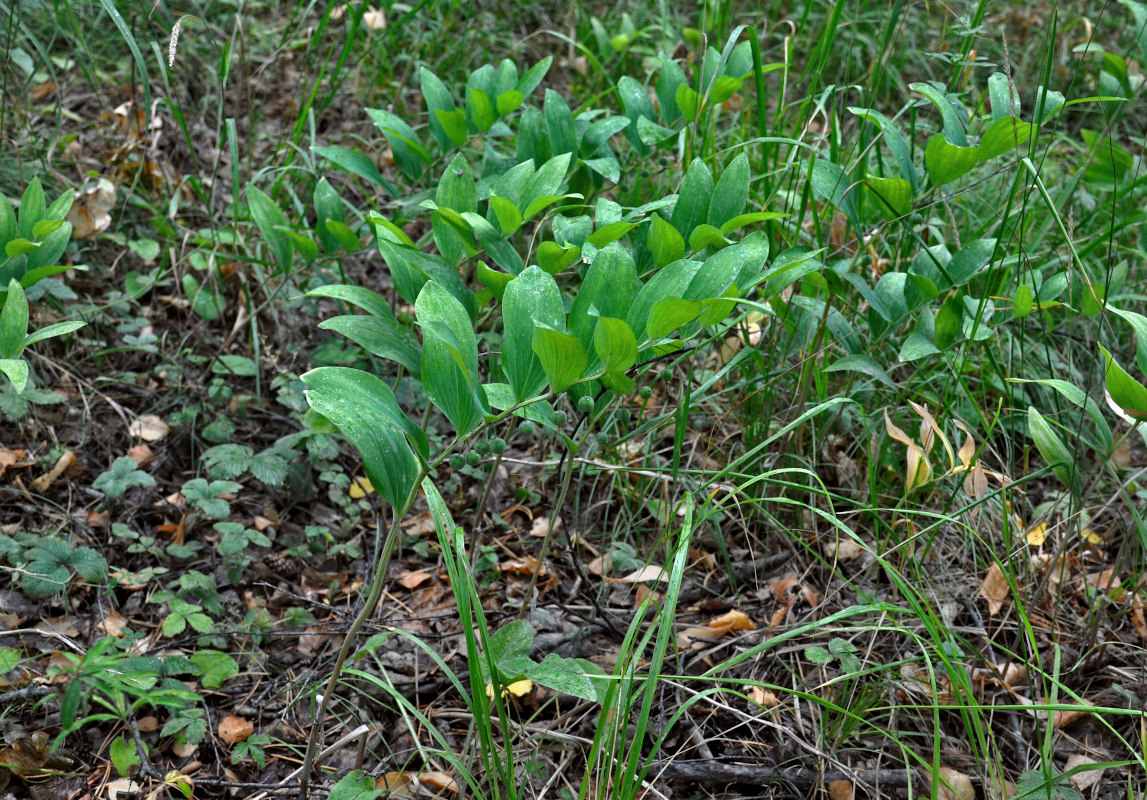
(90,214)
(412,580)
(397,784)
(515,689)
(439,780)
(527,565)
(1090,537)
(148,724)
(1085,778)
(149,427)
(842,548)
(112,625)
(97,519)
(66,459)
(763,697)
(651,572)
(1068,717)
(184,749)
(234,729)
(141,454)
(541,525)
(717,627)
(955,785)
(995,589)
(359,488)
(124,786)
(262,523)
(1037,535)
(600,564)
(1138,618)
(840,790)
(374,19)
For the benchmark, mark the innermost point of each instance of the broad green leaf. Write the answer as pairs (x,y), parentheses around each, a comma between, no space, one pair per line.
(51,331)
(693,199)
(508,102)
(1128,393)
(496,281)
(328,207)
(731,192)
(481,109)
(307,247)
(716,274)
(32,208)
(706,236)
(504,254)
(564,675)
(544,184)
(974,256)
(1004,135)
(454,123)
(953,127)
(534,76)
(1005,102)
(381,335)
(615,344)
(239,366)
(562,356)
(530,300)
(511,642)
(599,132)
(636,103)
(17,371)
(671,77)
(946,162)
(359,164)
(559,124)
(365,410)
(355,785)
(896,141)
(664,241)
(893,196)
(450,357)
(410,154)
(13,321)
(538,204)
(608,288)
(437,99)
(507,213)
(723,88)
(687,99)
(18,247)
(8,228)
(1138,322)
(830,183)
(608,168)
(669,314)
(270,220)
(342,235)
(610,233)
(949,321)
(670,281)
(553,258)
(1022,302)
(1054,451)
(863,364)
(456,188)
(748,219)
(651,134)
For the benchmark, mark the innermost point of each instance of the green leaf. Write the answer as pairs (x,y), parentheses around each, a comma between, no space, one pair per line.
(17,371)
(410,154)
(450,357)
(534,76)
(509,217)
(358,164)
(32,208)
(227,461)
(946,162)
(356,785)
(693,198)
(831,184)
(610,233)
(437,99)
(615,344)
(706,236)
(1053,451)
(562,356)
(88,564)
(553,258)
(496,281)
(509,102)
(669,314)
(953,127)
(607,290)
(1127,393)
(563,675)
(531,299)
(687,100)
(748,219)
(481,109)
(731,192)
(858,362)
(380,335)
(365,410)
(1003,136)
(216,667)
(665,242)
(543,187)
(652,134)
(305,245)
(559,124)
(123,755)
(235,365)
(511,642)
(8,226)
(893,196)
(270,219)
(13,321)
(207,496)
(18,247)
(123,475)
(328,208)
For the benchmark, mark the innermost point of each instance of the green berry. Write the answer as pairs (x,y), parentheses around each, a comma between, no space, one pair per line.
(482,446)
(585,405)
(527,428)
(603,439)
(457,461)
(645,392)
(473,458)
(624,415)
(559,418)
(498,446)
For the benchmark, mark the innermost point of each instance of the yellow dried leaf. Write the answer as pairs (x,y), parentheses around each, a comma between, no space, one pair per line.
(955,785)
(515,689)
(360,488)
(1090,537)
(1037,535)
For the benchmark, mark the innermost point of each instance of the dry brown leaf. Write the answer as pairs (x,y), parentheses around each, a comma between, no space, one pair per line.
(184,749)
(112,625)
(540,525)
(1068,717)
(262,523)
(526,565)
(651,572)
(90,211)
(1037,535)
(840,790)
(97,519)
(125,787)
(919,469)
(149,427)
(396,784)
(601,564)
(955,785)
(15,458)
(141,454)
(1086,778)
(234,729)
(763,697)
(842,549)
(412,580)
(439,780)
(148,724)
(1138,619)
(995,589)
(374,19)
(66,459)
